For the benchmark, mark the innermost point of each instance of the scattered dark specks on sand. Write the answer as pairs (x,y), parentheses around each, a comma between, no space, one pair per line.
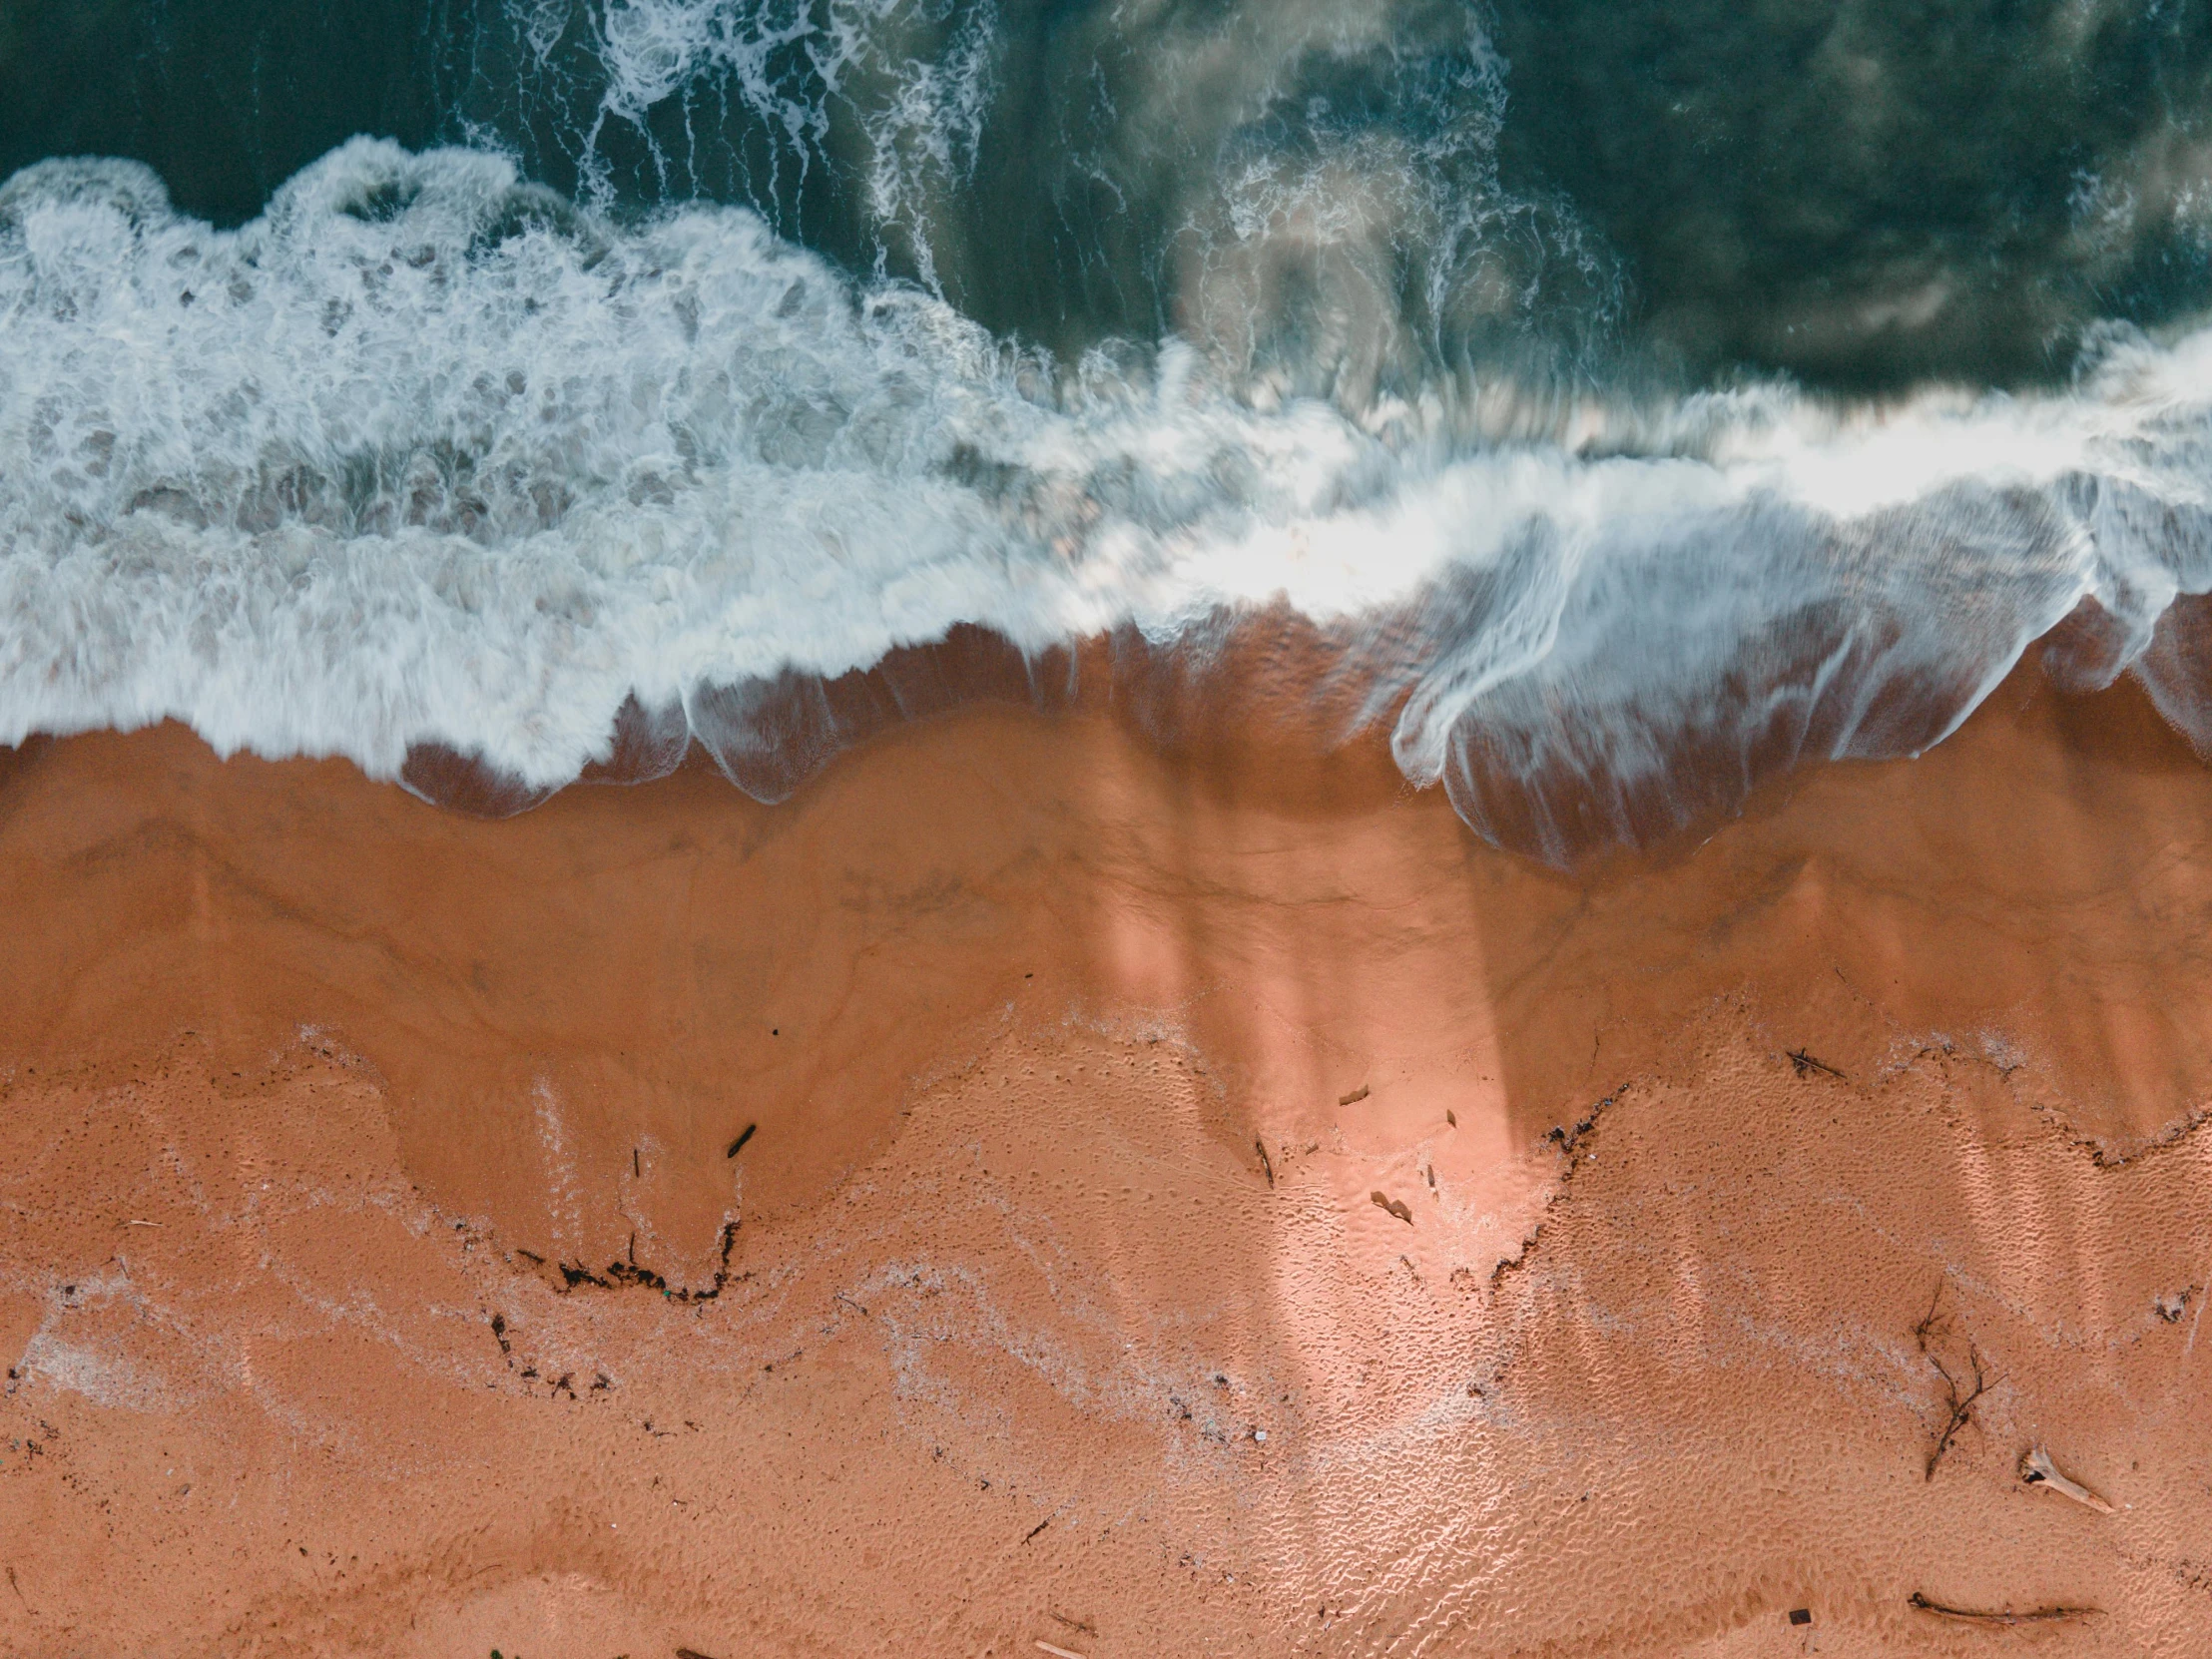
(1355,1097)
(737,1146)
(1397,1206)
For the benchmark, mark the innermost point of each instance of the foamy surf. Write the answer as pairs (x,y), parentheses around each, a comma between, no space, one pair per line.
(426,455)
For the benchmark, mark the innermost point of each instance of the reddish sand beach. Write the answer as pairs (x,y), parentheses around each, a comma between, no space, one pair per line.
(1034,1192)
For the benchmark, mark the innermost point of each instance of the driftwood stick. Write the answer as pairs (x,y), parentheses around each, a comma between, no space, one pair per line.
(2036,1470)
(2040,1615)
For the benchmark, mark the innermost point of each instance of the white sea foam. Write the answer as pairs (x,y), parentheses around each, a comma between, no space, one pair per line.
(912,78)
(425,454)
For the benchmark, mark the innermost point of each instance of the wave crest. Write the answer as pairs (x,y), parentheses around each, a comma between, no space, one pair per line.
(428,462)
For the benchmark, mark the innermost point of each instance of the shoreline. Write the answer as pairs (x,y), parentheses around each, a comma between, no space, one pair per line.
(1071,1074)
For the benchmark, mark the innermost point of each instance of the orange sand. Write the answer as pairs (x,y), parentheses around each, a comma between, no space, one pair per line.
(1595,1325)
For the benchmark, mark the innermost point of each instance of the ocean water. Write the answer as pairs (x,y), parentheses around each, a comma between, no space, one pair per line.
(1635,400)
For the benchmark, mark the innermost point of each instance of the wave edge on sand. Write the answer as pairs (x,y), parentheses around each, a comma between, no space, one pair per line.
(427,461)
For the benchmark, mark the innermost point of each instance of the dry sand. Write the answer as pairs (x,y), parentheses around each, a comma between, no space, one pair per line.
(1195,1203)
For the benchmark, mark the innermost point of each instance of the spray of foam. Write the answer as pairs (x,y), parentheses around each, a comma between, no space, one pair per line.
(427,455)
(911,79)
(1311,187)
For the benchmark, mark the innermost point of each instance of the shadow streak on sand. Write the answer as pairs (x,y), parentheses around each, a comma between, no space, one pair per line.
(651,969)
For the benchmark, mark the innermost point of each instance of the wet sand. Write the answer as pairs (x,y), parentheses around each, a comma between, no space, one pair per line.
(1189,1202)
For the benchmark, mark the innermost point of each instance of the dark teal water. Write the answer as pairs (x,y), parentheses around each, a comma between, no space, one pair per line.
(1861,195)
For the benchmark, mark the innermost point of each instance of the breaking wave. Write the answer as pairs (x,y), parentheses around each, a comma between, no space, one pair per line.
(428,460)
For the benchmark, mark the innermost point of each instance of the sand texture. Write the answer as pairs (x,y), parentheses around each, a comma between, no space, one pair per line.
(1190,1202)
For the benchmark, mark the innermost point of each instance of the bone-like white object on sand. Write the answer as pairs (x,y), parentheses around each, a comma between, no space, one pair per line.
(2038,1469)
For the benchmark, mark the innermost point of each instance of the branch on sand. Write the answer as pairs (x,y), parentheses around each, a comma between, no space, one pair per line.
(1958,1397)
(1961,1400)
(2038,1615)
(1805,1065)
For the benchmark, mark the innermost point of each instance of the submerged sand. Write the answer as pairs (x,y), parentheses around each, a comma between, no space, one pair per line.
(1189,1203)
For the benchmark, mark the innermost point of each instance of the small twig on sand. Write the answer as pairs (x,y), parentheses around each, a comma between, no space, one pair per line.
(2190,1346)
(1265,1163)
(1044,1646)
(2040,1615)
(1934,1326)
(1962,1404)
(1931,1325)
(1805,1065)
(2038,1469)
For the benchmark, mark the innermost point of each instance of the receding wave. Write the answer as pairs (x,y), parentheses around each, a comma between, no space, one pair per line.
(427,460)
